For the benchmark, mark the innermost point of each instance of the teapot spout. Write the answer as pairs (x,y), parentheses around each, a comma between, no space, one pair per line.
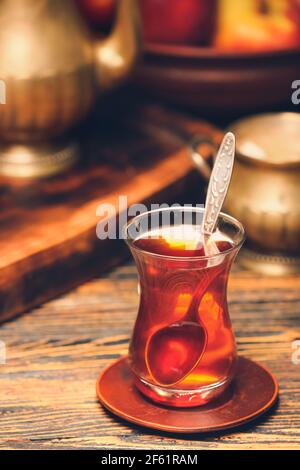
(117,55)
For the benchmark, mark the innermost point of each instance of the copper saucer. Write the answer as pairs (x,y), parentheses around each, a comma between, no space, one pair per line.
(252,393)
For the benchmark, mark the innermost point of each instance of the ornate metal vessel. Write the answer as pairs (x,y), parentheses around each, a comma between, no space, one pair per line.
(265,191)
(53,71)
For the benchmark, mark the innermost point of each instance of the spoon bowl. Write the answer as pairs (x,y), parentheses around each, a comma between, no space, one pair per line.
(181,345)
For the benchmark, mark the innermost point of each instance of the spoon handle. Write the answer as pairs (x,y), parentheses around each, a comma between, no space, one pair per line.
(207,278)
(219,183)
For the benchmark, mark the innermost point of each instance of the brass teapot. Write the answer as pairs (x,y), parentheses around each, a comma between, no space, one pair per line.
(264,192)
(53,70)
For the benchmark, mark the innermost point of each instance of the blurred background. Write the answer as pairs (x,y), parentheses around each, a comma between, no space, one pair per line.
(221,58)
(104,97)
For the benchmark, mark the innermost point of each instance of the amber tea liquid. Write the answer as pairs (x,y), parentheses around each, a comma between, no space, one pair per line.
(172,267)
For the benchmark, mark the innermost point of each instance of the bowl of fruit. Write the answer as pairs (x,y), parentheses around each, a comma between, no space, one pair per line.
(221,55)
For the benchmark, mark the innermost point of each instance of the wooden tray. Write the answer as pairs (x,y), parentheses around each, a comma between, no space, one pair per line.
(48,240)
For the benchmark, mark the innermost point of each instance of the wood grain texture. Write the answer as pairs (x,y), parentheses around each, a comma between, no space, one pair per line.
(54,355)
(48,240)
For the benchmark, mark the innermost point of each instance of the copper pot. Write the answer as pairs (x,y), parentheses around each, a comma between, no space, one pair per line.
(264,193)
(53,70)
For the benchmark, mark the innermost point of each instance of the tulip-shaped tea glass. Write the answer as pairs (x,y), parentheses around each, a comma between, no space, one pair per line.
(182,352)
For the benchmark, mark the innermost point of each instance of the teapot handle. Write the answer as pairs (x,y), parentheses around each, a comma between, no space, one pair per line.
(200,157)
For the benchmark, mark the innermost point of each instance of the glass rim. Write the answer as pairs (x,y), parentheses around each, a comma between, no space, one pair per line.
(227,217)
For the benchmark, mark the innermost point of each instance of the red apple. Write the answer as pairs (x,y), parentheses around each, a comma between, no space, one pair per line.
(97,12)
(258,25)
(293,13)
(178,21)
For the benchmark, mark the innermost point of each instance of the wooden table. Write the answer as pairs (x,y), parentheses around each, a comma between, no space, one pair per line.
(54,354)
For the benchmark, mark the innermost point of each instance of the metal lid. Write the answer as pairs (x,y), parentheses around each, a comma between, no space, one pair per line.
(269,138)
